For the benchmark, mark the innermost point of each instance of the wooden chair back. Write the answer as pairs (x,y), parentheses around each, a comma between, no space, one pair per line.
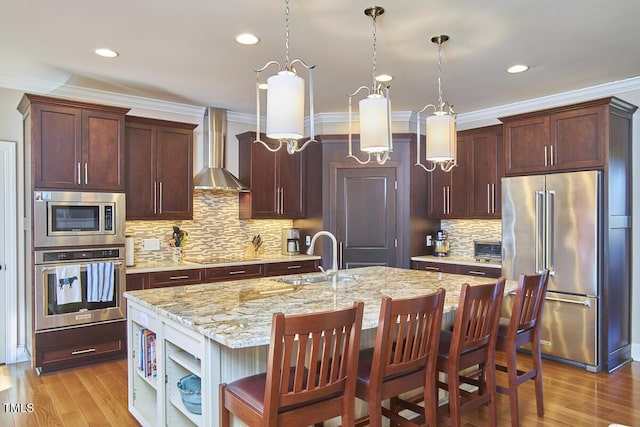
(312,358)
(528,305)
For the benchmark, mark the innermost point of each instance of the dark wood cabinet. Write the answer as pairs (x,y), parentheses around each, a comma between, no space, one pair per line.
(236,272)
(159,169)
(486,169)
(569,138)
(448,192)
(73,145)
(276,180)
(137,281)
(73,347)
(467,270)
(290,267)
(161,279)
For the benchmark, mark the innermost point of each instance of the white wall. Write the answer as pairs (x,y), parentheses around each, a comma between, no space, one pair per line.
(11,130)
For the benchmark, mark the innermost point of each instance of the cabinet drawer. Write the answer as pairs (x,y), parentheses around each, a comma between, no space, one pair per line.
(291,267)
(438,267)
(162,279)
(217,274)
(75,347)
(470,270)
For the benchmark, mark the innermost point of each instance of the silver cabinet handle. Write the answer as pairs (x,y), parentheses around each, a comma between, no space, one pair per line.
(89,350)
(493,198)
(86,174)
(444,200)
(448,199)
(155,198)
(546,163)
(488,198)
(178,277)
(477,273)
(281,200)
(79,182)
(552,157)
(237,272)
(293,267)
(161,206)
(432,268)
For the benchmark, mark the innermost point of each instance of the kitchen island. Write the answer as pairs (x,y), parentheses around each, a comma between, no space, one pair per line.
(221,331)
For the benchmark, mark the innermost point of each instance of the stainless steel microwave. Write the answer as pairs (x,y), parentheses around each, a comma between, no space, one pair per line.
(78,218)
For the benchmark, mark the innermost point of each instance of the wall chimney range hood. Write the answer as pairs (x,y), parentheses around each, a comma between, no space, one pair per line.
(214,176)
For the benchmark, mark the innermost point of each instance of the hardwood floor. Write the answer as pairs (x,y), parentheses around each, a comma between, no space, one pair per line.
(97,396)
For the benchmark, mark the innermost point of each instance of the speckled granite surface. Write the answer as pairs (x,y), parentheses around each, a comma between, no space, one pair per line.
(238,314)
(453,259)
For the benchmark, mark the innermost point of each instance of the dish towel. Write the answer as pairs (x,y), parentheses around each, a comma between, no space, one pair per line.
(100,282)
(68,286)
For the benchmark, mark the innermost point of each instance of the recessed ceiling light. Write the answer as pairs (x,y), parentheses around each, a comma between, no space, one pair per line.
(383,78)
(515,69)
(107,53)
(247,39)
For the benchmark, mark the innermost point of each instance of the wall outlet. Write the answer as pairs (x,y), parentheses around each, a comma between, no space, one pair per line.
(429,240)
(307,240)
(151,244)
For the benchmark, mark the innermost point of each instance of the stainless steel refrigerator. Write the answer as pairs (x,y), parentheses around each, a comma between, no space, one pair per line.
(553,221)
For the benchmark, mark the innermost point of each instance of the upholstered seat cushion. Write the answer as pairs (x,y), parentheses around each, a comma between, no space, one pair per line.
(364,367)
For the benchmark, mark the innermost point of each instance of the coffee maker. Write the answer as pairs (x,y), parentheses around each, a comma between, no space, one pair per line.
(442,244)
(290,241)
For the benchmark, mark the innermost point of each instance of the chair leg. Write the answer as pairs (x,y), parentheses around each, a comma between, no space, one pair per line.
(490,378)
(225,415)
(454,398)
(537,379)
(375,413)
(512,382)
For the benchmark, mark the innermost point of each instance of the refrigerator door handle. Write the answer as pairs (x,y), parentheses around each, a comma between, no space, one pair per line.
(539,238)
(550,260)
(586,303)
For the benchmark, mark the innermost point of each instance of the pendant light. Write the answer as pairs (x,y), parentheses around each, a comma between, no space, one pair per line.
(285,101)
(374,111)
(441,137)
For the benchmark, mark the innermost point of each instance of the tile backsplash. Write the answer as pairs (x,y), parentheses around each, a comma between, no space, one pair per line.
(462,233)
(214,231)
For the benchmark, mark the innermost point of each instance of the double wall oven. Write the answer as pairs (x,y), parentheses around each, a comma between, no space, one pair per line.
(79,259)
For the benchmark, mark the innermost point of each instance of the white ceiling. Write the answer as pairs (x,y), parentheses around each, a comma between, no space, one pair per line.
(183,51)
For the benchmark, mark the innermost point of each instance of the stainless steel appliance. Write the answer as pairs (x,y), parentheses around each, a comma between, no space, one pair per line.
(552,221)
(487,251)
(99,298)
(441,247)
(74,218)
(290,241)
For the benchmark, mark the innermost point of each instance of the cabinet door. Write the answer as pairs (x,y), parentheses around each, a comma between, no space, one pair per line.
(140,171)
(526,148)
(264,185)
(290,267)
(291,183)
(57,146)
(217,274)
(448,191)
(174,159)
(137,281)
(161,279)
(102,150)
(579,139)
(485,172)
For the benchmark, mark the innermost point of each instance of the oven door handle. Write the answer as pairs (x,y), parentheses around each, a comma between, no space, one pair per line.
(116,264)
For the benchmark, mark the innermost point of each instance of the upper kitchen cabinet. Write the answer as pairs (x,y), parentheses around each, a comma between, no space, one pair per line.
(276,180)
(159,169)
(569,138)
(73,145)
(486,168)
(448,192)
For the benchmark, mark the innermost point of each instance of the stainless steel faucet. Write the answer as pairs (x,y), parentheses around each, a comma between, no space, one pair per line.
(334,268)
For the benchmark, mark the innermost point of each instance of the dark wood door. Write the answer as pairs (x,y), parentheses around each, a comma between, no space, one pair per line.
(449,191)
(140,170)
(526,148)
(174,159)
(485,172)
(264,184)
(57,147)
(366,216)
(102,150)
(579,139)
(290,182)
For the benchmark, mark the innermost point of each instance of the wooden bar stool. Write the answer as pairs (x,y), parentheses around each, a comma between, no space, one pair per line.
(467,354)
(310,373)
(522,328)
(402,359)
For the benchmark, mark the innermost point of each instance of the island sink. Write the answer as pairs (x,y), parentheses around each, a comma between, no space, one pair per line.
(316,278)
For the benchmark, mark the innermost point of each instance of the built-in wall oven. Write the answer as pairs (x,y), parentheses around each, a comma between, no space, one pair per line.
(79,268)
(78,286)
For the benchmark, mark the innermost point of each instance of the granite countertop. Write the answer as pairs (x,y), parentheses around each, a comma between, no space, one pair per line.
(238,314)
(457,260)
(217,261)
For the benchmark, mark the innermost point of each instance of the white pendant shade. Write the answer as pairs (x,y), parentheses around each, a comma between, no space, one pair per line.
(374,135)
(285,106)
(441,137)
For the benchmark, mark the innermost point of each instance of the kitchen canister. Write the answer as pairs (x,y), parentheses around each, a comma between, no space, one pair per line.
(128,249)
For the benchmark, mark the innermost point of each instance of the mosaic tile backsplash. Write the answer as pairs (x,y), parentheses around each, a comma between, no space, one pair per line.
(462,233)
(214,231)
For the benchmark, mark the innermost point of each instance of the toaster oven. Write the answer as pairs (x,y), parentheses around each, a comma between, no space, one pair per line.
(487,251)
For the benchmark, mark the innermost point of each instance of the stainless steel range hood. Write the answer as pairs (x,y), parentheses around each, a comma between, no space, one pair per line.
(214,176)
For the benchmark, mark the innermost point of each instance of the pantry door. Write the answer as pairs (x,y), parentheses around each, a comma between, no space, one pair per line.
(366,216)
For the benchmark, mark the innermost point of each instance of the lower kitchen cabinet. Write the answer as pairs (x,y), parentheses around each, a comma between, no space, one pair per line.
(137,281)
(72,347)
(161,279)
(467,270)
(290,267)
(218,274)
(160,355)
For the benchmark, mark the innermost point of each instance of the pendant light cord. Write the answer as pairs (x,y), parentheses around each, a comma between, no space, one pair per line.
(375,57)
(440,102)
(286,35)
